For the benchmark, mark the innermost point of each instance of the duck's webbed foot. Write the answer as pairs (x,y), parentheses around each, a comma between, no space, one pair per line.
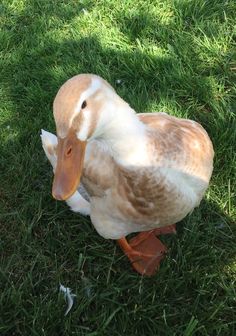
(145,251)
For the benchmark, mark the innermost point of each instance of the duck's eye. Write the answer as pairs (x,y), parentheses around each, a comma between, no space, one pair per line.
(84,104)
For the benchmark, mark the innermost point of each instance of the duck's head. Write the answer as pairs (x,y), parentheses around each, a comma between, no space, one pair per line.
(81,109)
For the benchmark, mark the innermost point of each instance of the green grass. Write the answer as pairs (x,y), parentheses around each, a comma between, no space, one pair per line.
(177,56)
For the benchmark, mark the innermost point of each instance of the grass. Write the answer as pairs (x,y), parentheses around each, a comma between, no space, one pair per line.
(177,56)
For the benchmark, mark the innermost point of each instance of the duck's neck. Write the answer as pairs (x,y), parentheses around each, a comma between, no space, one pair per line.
(125,137)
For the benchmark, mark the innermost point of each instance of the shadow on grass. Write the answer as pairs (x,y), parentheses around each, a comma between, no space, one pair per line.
(55,245)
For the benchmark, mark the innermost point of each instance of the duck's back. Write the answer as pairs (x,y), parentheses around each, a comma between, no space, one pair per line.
(180,143)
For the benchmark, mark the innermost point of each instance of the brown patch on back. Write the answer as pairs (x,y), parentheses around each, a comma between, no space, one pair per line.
(179,143)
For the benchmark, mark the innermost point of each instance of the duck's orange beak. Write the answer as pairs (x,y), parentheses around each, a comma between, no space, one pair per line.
(70,159)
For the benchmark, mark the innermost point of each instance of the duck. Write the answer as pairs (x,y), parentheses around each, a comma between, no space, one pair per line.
(141,173)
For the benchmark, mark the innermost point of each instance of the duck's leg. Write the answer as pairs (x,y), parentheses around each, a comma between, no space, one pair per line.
(145,251)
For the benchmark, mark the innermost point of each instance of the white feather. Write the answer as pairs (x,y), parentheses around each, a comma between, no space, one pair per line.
(68,296)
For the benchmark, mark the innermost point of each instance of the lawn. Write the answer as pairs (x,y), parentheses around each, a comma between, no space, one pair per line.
(177,56)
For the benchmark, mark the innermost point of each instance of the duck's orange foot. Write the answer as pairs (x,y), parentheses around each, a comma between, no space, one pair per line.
(145,251)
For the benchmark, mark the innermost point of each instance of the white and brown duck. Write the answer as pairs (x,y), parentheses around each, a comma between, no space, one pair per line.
(143,172)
